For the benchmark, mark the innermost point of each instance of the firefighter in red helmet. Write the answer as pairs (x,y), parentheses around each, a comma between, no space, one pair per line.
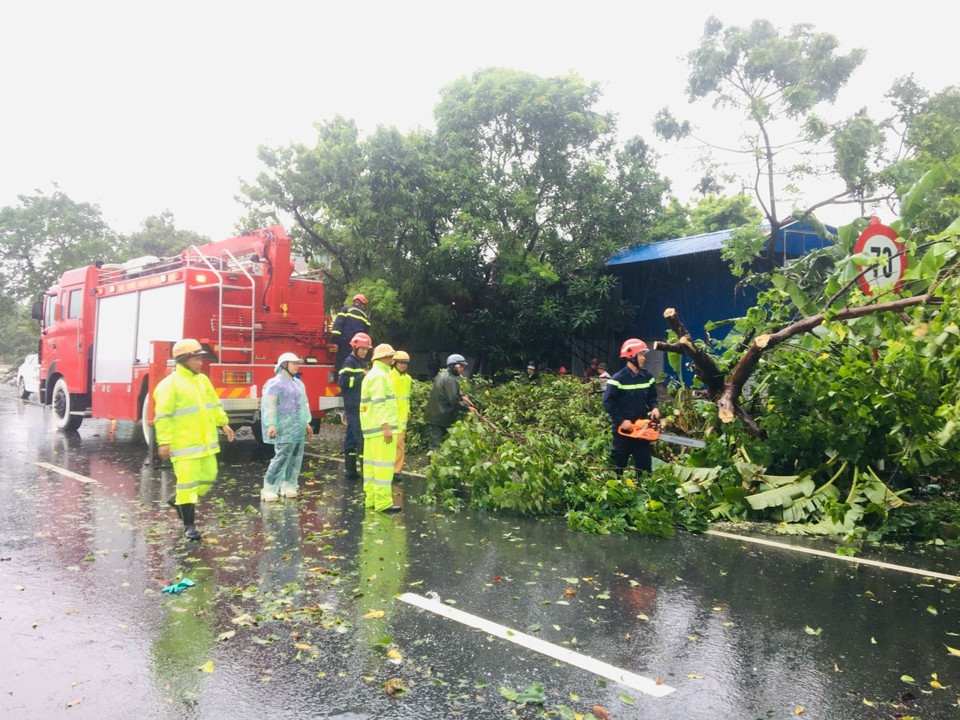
(350,379)
(351,319)
(631,395)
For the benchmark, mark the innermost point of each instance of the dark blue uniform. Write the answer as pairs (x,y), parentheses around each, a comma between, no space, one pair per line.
(350,378)
(630,396)
(349,321)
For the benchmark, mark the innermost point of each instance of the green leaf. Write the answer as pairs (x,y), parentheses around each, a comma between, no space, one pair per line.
(782,496)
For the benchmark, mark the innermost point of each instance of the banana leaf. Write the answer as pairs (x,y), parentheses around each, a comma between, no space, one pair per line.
(783,496)
(694,479)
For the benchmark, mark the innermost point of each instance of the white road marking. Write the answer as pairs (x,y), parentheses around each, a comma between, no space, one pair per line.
(835,556)
(68,473)
(598,667)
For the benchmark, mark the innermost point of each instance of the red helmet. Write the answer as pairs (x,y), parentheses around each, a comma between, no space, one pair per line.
(360,298)
(632,347)
(361,340)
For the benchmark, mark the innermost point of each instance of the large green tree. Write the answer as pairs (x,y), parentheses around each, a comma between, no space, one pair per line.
(45,235)
(492,231)
(777,82)
(40,237)
(159,236)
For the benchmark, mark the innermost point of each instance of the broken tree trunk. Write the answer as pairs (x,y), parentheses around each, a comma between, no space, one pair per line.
(704,367)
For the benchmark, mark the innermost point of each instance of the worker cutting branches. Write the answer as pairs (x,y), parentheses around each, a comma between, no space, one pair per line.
(631,396)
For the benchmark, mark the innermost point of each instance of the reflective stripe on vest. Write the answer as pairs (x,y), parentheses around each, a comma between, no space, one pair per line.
(642,386)
(379,430)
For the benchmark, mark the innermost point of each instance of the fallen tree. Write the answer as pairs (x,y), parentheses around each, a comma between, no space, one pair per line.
(936,277)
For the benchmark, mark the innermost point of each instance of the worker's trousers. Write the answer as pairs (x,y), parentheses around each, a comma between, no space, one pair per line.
(195,477)
(625,448)
(283,474)
(353,437)
(378,459)
(400,440)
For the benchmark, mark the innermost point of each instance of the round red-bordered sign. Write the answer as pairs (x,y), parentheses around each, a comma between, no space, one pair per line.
(880,241)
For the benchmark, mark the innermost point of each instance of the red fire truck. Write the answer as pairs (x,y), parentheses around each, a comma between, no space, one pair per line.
(107,330)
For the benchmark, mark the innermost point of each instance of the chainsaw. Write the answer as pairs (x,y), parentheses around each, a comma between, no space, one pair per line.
(646,429)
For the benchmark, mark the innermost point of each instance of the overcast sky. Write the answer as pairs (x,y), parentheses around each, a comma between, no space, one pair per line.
(145,107)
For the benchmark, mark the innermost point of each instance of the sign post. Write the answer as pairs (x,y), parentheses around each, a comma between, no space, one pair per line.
(880,241)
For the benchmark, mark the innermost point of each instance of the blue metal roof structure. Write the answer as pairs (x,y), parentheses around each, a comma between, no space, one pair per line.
(793,240)
(689,275)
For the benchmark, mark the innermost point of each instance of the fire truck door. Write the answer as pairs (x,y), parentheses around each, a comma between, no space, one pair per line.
(61,342)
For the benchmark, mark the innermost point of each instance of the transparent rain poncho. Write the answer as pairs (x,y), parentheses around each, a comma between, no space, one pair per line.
(285,407)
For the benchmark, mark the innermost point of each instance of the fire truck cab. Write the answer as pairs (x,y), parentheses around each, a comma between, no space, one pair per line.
(107,329)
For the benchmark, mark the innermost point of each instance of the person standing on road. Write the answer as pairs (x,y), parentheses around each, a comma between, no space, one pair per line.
(602,378)
(446,403)
(631,395)
(531,375)
(350,378)
(402,384)
(592,370)
(285,418)
(351,319)
(378,418)
(187,415)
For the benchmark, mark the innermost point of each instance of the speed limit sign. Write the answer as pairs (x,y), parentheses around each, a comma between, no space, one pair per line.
(879,243)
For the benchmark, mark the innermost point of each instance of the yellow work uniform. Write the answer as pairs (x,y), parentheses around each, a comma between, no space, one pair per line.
(378,407)
(187,415)
(402,382)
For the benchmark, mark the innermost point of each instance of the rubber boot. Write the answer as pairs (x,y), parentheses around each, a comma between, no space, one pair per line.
(172,502)
(351,474)
(188,512)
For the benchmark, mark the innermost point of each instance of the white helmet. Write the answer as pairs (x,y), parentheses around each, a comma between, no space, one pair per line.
(285,358)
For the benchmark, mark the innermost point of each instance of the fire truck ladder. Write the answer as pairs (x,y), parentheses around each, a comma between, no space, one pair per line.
(229,261)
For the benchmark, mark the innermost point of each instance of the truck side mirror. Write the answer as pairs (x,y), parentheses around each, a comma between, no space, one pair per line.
(36,311)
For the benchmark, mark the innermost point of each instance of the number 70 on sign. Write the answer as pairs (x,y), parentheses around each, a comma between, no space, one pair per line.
(880,242)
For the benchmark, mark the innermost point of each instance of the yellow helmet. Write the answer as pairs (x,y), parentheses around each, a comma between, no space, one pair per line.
(382,350)
(187,348)
(401,356)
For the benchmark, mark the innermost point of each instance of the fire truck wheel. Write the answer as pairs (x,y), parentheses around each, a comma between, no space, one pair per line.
(62,404)
(257,429)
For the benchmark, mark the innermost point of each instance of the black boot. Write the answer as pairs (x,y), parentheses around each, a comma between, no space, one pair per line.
(188,512)
(172,502)
(351,474)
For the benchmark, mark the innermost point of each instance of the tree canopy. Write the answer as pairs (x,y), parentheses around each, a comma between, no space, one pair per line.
(495,227)
(776,82)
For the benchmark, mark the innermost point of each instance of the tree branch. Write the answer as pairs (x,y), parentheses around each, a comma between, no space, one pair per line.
(322,242)
(727,403)
(704,367)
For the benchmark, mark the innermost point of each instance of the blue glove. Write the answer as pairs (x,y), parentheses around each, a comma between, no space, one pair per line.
(179,587)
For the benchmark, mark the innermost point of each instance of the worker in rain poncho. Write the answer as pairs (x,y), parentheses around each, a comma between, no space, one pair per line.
(285,417)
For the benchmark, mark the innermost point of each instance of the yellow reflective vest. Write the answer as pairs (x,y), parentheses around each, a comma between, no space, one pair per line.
(378,402)
(187,413)
(402,382)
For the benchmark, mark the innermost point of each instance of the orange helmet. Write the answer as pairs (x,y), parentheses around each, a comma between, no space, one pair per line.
(361,340)
(632,347)
(360,298)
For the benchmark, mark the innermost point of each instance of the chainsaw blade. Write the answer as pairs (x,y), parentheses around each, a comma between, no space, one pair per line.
(680,440)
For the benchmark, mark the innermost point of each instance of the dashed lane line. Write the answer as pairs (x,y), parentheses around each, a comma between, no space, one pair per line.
(835,556)
(597,667)
(67,473)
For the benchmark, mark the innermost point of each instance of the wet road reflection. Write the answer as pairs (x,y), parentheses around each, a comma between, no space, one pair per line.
(294,611)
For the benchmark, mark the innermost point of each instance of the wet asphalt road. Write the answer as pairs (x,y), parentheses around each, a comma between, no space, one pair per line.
(295,612)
